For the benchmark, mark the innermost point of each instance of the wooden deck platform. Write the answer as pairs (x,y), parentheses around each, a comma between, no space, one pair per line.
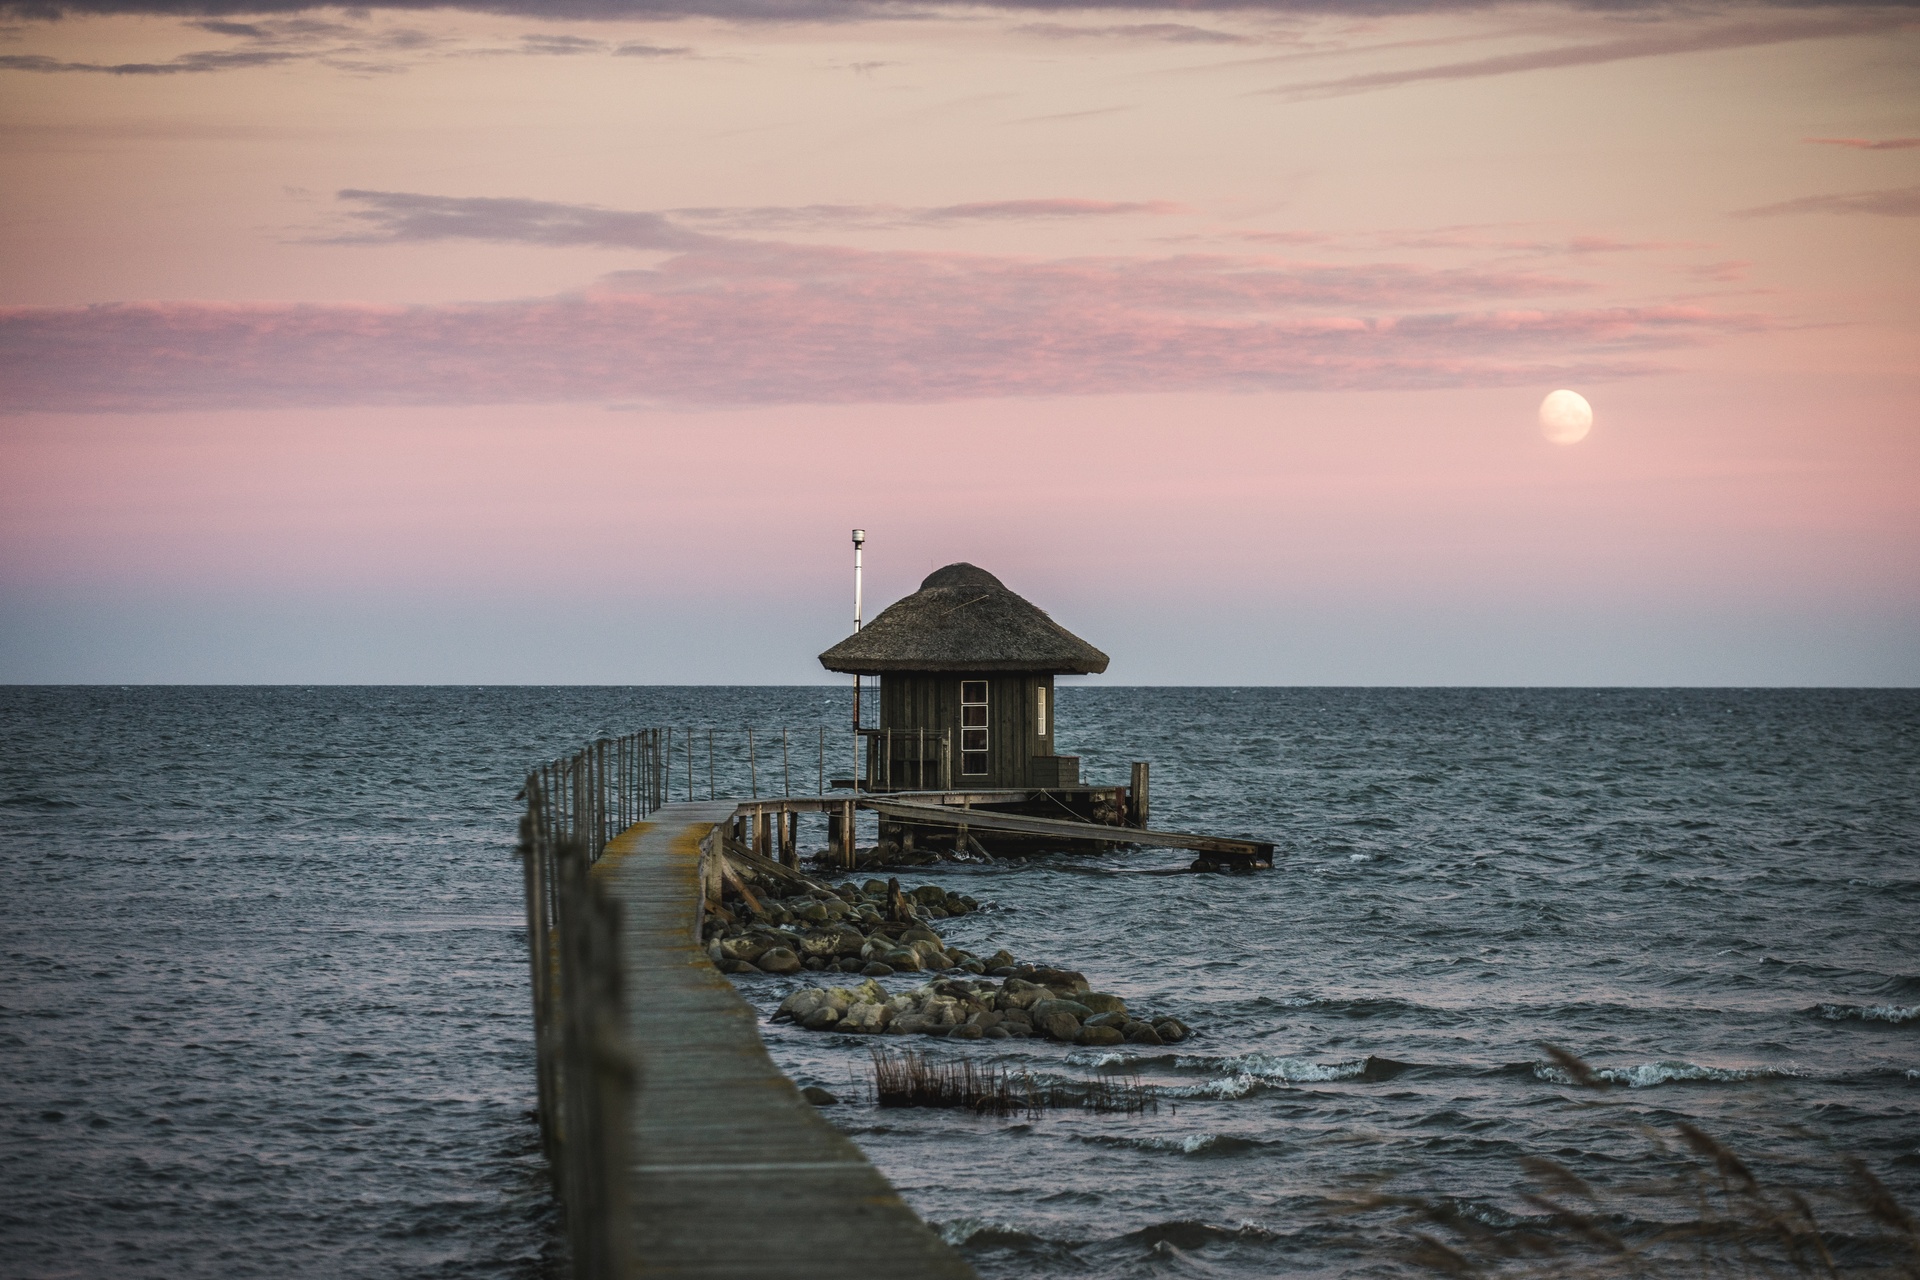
(931,808)
(733,1173)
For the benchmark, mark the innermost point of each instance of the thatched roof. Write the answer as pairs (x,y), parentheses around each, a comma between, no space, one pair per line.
(963,619)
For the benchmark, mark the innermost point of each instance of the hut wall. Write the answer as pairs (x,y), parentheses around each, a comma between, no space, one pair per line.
(1018,755)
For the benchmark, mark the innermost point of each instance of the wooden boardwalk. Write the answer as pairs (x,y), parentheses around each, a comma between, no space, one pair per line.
(732,1172)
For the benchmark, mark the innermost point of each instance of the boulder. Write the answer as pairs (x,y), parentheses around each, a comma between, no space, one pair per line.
(1100,1002)
(875,889)
(1099,1036)
(1060,1025)
(1171,1030)
(1001,959)
(965,1031)
(749,947)
(1045,1009)
(1118,1021)
(820,944)
(902,958)
(996,1033)
(866,1016)
(1143,1033)
(1066,979)
(779,960)
(875,969)
(929,895)
(739,966)
(821,1018)
(801,1003)
(819,1097)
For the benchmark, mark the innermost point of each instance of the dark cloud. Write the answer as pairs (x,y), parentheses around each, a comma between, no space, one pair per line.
(185,64)
(1655,40)
(1868,144)
(392,217)
(1171,32)
(1900,202)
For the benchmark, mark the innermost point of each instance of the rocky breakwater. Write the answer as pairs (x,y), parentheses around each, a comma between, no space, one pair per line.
(1051,1004)
(877,930)
(874,930)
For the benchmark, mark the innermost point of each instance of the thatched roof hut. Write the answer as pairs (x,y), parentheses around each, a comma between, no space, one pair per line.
(966,673)
(964,619)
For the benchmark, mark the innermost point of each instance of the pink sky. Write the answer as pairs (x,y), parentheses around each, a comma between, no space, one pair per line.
(436,345)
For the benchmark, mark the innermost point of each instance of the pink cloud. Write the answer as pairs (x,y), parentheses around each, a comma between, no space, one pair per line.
(748,323)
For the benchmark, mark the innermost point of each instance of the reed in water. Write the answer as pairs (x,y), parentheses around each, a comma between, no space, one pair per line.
(911,1079)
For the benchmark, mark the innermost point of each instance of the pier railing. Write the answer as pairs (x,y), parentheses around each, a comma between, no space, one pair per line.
(574,807)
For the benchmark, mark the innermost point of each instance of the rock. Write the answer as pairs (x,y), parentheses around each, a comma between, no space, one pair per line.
(1099,1036)
(1142,1033)
(1060,1025)
(814,963)
(801,1003)
(819,1097)
(866,1016)
(1001,959)
(821,1018)
(920,933)
(1171,1030)
(739,966)
(966,1031)
(747,948)
(902,958)
(813,913)
(875,889)
(875,969)
(986,1018)
(943,1009)
(1118,1021)
(973,966)
(936,913)
(1067,979)
(1045,1009)
(909,1024)
(928,895)
(821,944)
(996,1033)
(779,960)
(851,941)
(1100,1002)
(955,905)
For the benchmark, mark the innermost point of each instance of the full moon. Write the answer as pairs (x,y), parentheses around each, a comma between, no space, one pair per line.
(1566,417)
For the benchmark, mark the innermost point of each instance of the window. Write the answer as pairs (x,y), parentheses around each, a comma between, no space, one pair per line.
(973,726)
(1040,708)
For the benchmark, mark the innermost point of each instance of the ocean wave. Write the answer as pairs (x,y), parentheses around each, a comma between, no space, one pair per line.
(1199,1145)
(1868,1012)
(1188,1235)
(1227,1088)
(1268,1067)
(1670,1071)
(985,1233)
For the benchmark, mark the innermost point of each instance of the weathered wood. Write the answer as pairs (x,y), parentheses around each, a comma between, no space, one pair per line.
(732,1173)
(1059,828)
(1140,806)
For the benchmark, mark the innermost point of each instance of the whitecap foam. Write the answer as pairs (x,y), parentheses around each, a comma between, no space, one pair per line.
(1671,1071)
(1239,1086)
(1270,1067)
(1893,1013)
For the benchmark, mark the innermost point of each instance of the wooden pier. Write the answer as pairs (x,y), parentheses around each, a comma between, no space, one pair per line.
(731,1173)
(676,1147)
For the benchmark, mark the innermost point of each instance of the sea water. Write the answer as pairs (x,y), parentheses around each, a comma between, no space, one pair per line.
(263,994)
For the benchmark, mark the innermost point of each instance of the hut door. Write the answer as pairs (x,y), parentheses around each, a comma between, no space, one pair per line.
(973,727)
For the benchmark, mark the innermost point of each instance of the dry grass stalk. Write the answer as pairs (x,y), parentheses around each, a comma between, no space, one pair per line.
(1706,1214)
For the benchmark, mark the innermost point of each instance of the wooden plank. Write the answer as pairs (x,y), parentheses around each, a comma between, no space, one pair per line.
(1060,828)
(722,1141)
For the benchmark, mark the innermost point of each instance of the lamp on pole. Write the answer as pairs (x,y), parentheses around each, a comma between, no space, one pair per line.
(859,541)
